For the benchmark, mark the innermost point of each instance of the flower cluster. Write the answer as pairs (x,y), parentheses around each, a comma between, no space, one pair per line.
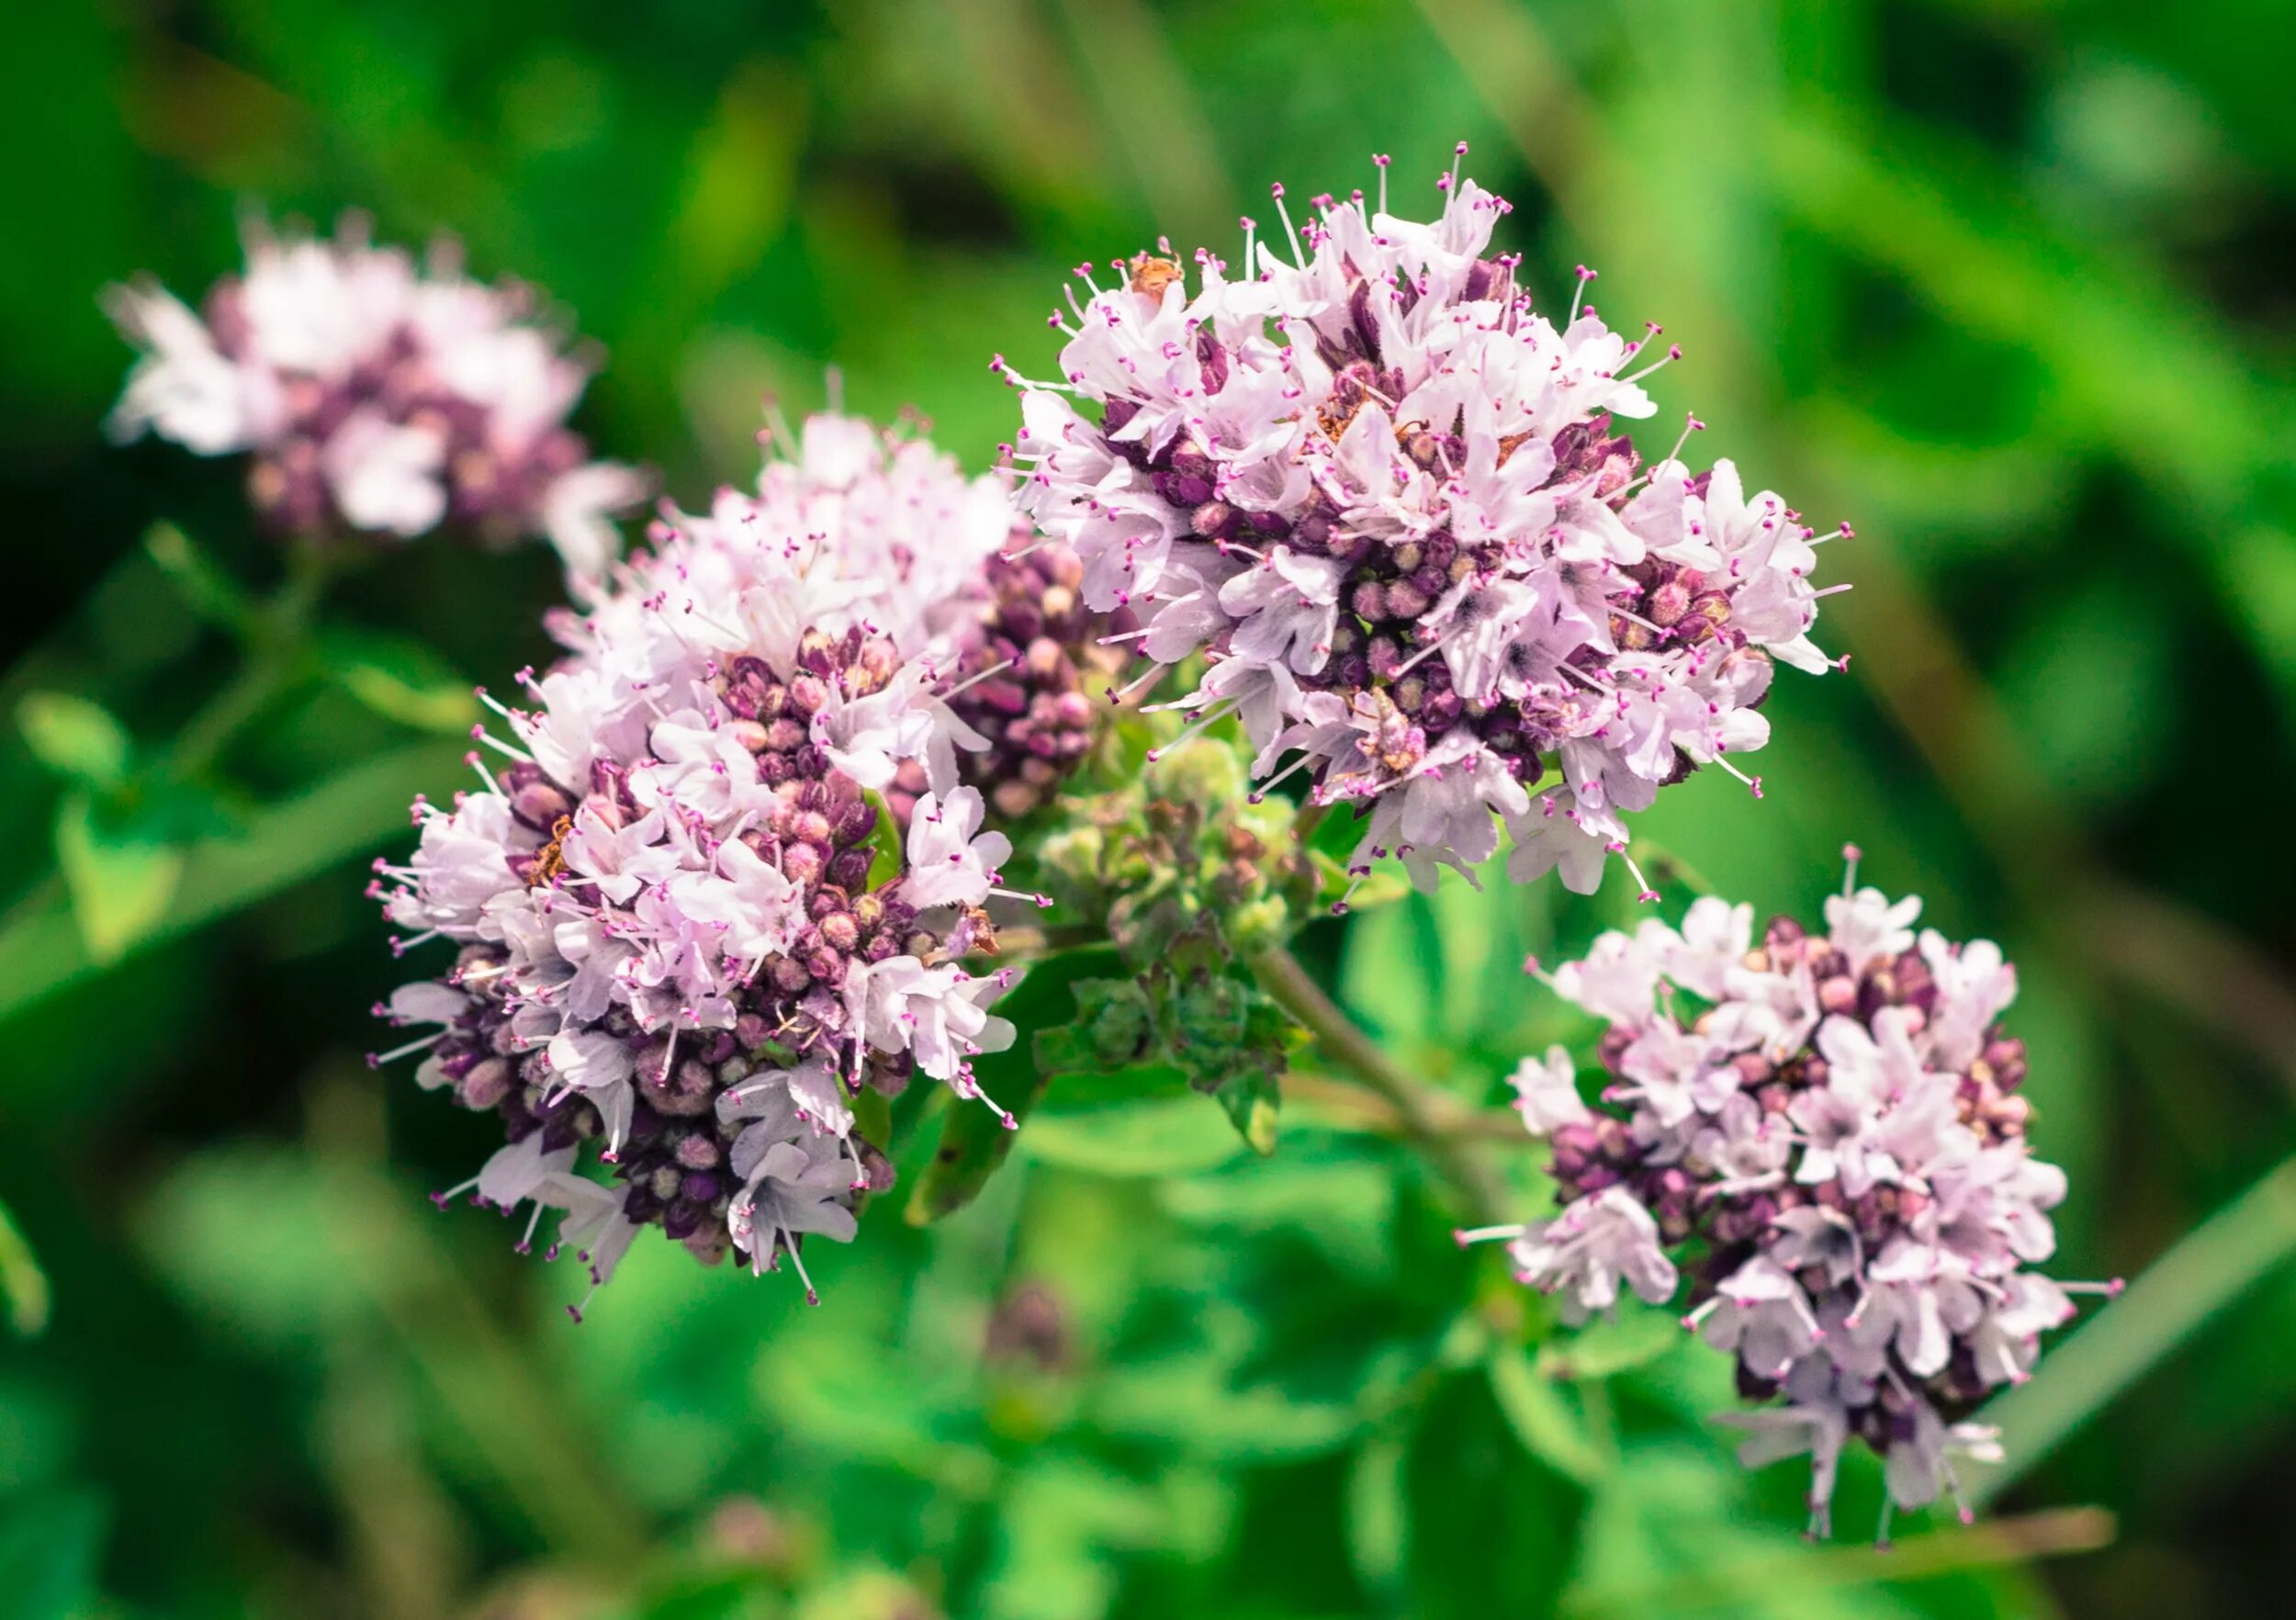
(375,397)
(683,932)
(1832,1123)
(883,528)
(1382,495)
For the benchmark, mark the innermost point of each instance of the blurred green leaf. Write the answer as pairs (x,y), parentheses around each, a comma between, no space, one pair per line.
(1378,1515)
(1662,1536)
(77,739)
(207,588)
(1399,1005)
(339,1251)
(400,680)
(41,950)
(1195,1403)
(281,1280)
(1344,1205)
(21,1280)
(1637,1335)
(849,1391)
(1062,1519)
(1174,1137)
(121,884)
(1541,1418)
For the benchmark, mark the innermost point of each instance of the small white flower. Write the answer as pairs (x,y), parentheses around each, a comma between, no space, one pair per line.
(1589,1249)
(951,862)
(1546,1092)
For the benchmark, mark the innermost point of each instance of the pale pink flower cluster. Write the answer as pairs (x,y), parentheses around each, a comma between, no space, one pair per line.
(376,397)
(1832,1124)
(1376,491)
(676,937)
(849,521)
(879,528)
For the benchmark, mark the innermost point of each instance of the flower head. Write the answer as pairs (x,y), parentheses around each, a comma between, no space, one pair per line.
(1383,496)
(857,527)
(675,937)
(1829,1125)
(375,397)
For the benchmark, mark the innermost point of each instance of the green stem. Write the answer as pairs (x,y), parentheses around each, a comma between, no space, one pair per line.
(276,637)
(1420,1109)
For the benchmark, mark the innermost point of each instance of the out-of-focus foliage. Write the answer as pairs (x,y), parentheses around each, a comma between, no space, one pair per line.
(2006,286)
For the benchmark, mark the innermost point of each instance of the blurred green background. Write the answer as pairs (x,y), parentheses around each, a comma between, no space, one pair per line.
(2010,287)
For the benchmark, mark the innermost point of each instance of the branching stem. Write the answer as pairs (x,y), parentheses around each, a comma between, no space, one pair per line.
(1419,1109)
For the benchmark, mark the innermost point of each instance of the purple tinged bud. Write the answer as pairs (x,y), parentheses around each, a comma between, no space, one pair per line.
(807,694)
(539,802)
(487,1083)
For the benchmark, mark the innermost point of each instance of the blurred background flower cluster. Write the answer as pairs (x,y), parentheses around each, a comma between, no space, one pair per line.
(2012,286)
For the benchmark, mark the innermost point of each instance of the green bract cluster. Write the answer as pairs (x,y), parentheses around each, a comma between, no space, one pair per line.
(1188,878)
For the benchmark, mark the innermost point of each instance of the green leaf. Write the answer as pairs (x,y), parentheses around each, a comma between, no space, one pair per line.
(1212,1031)
(77,739)
(885,862)
(1607,1346)
(1667,1533)
(120,885)
(1196,1405)
(1378,1514)
(1177,1136)
(1251,1101)
(1541,1418)
(42,950)
(1061,1518)
(1341,1205)
(21,1280)
(206,587)
(281,1281)
(873,1117)
(400,680)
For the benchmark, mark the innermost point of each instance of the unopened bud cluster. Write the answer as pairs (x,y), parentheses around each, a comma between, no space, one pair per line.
(1032,677)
